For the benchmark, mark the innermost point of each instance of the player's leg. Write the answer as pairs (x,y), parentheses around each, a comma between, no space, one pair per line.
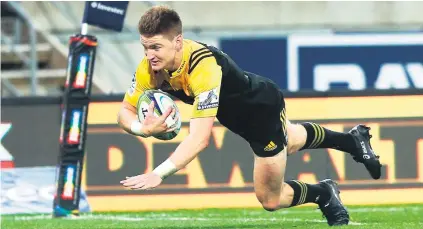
(268,176)
(356,142)
(269,170)
(275,194)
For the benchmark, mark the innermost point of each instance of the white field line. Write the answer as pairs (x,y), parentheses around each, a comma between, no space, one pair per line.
(355,210)
(137,219)
(206,217)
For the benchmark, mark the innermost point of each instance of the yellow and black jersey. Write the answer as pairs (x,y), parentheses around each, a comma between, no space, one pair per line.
(212,82)
(197,80)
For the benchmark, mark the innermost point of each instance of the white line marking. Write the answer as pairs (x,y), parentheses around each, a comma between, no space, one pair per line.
(137,219)
(218,217)
(354,210)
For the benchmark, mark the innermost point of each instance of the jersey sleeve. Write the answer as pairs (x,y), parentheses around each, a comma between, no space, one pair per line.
(140,83)
(204,81)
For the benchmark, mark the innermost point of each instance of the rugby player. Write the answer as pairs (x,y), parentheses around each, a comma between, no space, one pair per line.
(249,105)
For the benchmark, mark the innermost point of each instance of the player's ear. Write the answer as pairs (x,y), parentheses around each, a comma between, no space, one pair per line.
(178,40)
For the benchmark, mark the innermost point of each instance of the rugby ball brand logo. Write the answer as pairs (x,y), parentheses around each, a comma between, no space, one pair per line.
(208,99)
(164,102)
(144,109)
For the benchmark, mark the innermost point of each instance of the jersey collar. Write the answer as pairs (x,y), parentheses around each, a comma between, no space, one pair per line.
(184,63)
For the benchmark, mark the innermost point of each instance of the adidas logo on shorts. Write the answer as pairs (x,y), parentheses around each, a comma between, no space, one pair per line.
(271,146)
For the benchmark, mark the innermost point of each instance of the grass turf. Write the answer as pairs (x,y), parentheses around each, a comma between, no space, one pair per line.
(390,216)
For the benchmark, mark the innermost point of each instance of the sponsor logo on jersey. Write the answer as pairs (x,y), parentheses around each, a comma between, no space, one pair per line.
(208,99)
(133,85)
(180,68)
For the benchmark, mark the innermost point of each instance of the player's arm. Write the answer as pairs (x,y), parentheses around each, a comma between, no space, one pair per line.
(150,126)
(127,115)
(204,82)
(128,120)
(197,140)
(193,144)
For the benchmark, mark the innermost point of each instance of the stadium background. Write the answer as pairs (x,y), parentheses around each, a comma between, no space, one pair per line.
(340,63)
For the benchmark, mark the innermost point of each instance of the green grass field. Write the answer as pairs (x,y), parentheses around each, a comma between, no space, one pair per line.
(386,217)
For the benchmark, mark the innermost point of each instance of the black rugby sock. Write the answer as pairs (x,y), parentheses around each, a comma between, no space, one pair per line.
(307,193)
(320,137)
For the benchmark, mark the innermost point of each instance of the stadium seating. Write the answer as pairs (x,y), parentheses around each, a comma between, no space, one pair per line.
(118,54)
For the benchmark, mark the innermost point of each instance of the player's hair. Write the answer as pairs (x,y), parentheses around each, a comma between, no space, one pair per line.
(160,20)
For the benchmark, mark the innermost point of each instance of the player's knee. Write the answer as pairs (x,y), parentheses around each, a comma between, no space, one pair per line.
(267,203)
(296,137)
(275,203)
(291,149)
(270,205)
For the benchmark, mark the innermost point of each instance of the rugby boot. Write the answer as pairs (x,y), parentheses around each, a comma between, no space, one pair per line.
(364,153)
(333,209)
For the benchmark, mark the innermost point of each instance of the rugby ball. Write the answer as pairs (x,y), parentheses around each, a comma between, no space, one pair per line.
(162,102)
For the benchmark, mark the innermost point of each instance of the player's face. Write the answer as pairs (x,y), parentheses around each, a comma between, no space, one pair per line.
(160,51)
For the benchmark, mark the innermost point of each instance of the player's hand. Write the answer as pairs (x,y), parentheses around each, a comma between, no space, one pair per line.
(156,125)
(142,182)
